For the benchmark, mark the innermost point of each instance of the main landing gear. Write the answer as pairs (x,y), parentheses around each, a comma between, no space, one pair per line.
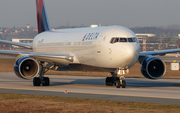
(37,81)
(118,81)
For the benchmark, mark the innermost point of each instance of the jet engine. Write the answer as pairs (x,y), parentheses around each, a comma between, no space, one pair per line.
(26,68)
(153,68)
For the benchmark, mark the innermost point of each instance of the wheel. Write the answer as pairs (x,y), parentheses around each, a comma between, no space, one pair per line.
(36,81)
(46,81)
(123,84)
(109,81)
(116,79)
(118,84)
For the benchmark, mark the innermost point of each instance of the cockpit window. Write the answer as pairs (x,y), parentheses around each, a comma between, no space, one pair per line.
(123,40)
(112,40)
(118,39)
(131,40)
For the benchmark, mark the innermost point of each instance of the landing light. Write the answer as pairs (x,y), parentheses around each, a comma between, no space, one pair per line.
(70,58)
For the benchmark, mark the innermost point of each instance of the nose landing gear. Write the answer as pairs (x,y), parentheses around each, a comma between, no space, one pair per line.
(118,81)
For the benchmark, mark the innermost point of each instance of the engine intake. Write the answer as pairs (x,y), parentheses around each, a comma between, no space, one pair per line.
(153,68)
(26,68)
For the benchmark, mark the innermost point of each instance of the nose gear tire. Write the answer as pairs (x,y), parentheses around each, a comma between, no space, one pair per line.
(123,84)
(118,84)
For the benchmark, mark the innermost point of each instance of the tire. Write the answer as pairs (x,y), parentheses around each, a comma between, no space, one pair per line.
(109,81)
(123,84)
(46,81)
(118,84)
(36,81)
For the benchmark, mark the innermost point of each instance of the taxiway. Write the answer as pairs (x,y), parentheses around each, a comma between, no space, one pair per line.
(162,91)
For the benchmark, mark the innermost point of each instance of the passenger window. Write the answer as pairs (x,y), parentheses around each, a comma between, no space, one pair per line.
(123,39)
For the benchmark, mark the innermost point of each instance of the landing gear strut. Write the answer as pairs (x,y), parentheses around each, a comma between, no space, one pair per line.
(37,81)
(118,81)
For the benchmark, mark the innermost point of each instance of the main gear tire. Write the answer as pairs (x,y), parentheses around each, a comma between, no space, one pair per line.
(46,81)
(36,81)
(109,81)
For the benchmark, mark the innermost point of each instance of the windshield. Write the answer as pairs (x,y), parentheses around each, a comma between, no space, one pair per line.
(118,39)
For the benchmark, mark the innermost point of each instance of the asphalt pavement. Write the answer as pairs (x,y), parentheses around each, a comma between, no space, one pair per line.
(162,91)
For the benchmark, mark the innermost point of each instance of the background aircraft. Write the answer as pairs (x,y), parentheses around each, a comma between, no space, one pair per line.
(113,49)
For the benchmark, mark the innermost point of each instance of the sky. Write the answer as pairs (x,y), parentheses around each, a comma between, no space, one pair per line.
(128,13)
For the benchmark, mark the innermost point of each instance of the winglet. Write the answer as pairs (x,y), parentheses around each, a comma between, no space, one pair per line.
(42,20)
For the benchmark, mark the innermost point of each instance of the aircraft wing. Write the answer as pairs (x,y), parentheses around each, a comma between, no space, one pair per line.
(25,45)
(144,55)
(160,52)
(60,58)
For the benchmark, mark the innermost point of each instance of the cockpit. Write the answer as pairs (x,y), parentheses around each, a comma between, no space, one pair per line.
(118,39)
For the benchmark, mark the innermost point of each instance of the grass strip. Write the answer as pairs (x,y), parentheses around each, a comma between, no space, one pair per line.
(36,103)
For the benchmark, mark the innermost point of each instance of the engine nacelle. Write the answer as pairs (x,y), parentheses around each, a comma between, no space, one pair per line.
(26,68)
(153,68)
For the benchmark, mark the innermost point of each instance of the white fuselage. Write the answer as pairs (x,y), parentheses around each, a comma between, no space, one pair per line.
(91,46)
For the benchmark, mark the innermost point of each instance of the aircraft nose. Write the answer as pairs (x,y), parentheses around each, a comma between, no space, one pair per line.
(130,54)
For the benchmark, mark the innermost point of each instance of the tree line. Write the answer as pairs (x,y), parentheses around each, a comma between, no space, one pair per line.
(172,30)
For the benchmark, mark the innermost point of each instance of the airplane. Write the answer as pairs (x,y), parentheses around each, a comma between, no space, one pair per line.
(113,49)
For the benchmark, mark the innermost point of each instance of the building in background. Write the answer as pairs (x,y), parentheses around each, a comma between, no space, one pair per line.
(29,41)
(140,36)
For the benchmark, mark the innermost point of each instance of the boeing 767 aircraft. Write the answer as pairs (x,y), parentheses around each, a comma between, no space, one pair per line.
(113,49)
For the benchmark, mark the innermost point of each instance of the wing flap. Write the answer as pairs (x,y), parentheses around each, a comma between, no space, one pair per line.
(25,45)
(60,58)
